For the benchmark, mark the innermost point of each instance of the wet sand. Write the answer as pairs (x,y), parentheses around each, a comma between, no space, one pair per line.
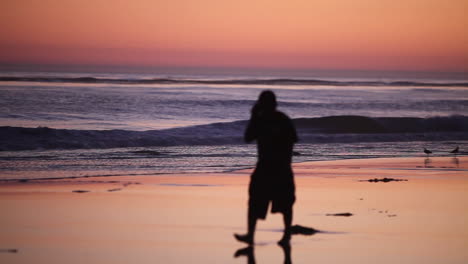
(190,218)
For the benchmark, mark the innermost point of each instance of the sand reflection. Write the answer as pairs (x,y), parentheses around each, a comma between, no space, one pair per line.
(427,162)
(249,252)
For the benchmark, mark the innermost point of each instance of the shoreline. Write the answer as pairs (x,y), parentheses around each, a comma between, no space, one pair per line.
(301,165)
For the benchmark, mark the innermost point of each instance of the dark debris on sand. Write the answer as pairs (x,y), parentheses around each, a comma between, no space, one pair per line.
(341,214)
(14,250)
(125,184)
(80,191)
(382,180)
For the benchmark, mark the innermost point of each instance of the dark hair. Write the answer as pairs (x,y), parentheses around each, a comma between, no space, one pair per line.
(267,100)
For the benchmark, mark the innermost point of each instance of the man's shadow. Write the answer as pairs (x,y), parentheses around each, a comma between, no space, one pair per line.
(250,254)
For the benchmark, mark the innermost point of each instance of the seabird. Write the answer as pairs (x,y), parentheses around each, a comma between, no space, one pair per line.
(427,151)
(455,151)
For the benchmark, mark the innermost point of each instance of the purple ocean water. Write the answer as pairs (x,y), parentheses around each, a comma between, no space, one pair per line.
(55,124)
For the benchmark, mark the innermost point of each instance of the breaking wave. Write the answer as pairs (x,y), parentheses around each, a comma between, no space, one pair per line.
(346,129)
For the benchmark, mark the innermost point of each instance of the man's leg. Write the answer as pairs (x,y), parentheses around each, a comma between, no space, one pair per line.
(251,224)
(287,218)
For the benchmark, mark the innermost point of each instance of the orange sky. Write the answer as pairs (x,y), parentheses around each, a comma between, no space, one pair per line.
(317,34)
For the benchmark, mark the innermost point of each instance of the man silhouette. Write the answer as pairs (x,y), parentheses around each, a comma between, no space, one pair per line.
(273,178)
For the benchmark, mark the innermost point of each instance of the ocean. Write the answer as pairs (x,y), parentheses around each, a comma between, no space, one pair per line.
(59,125)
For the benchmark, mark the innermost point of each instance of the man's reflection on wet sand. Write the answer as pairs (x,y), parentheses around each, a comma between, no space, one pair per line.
(250,254)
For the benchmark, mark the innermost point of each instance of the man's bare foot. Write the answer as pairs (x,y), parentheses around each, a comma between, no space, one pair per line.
(244,238)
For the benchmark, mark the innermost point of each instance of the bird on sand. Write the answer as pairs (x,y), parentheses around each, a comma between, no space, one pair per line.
(455,151)
(427,151)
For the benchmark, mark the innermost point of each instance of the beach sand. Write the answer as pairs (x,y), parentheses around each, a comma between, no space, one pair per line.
(191,218)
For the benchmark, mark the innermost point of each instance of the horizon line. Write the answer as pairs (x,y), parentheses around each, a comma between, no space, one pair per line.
(131,68)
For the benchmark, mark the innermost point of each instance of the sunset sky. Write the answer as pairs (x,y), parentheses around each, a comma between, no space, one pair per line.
(413,35)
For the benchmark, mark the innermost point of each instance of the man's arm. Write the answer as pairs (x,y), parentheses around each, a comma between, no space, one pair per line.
(294,137)
(251,132)
(291,134)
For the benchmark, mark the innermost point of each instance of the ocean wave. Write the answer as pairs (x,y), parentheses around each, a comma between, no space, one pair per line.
(271,81)
(311,130)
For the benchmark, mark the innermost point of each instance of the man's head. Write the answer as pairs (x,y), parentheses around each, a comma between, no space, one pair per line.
(267,101)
